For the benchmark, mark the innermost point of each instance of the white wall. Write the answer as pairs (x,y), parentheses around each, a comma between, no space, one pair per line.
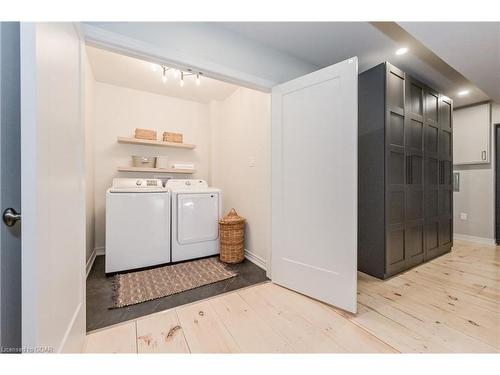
(118,111)
(477,195)
(89,92)
(241,165)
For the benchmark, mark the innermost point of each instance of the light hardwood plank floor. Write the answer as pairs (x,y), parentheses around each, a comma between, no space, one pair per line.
(451,304)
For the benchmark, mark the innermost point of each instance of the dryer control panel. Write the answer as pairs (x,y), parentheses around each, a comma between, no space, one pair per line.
(186,184)
(136,182)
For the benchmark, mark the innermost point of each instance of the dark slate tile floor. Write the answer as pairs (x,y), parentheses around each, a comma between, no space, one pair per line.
(99,295)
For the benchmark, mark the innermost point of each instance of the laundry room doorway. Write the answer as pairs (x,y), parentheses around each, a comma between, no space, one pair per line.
(220,162)
(294,176)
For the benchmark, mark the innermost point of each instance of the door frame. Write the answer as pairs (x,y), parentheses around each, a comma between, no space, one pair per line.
(72,340)
(119,43)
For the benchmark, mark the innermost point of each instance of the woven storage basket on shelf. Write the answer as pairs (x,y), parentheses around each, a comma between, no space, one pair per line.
(172,137)
(145,134)
(232,237)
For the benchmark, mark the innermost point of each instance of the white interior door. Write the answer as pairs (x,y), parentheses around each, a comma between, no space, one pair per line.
(52,188)
(314,184)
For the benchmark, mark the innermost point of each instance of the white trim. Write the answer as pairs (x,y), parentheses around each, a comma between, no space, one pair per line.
(90,262)
(100,251)
(136,48)
(482,240)
(72,341)
(255,259)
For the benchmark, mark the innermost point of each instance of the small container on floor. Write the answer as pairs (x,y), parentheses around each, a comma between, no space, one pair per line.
(232,238)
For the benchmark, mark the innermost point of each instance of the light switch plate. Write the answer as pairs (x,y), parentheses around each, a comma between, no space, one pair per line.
(251,161)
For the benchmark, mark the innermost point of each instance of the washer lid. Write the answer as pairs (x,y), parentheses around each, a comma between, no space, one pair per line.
(137,185)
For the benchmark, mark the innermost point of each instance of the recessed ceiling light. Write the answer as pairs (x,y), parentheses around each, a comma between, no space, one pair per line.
(463,92)
(401,51)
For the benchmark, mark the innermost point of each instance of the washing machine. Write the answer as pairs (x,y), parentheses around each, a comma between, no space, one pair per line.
(196,209)
(137,224)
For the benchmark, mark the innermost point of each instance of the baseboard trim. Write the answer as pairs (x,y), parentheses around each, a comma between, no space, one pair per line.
(100,251)
(251,256)
(74,337)
(255,259)
(482,240)
(90,262)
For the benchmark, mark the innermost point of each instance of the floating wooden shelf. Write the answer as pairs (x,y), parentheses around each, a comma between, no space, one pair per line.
(156,170)
(154,143)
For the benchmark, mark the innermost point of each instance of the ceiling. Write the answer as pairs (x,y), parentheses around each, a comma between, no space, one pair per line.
(324,43)
(439,54)
(472,48)
(120,70)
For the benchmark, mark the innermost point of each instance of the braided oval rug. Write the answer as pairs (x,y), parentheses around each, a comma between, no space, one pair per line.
(136,287)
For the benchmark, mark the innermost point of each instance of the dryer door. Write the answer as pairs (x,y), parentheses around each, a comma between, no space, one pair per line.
(198,217)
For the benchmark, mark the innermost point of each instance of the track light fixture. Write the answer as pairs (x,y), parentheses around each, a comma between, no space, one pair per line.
(177,72)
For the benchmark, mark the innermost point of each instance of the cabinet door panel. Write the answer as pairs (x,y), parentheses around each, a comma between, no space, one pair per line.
(396,170)
(416,99)
(471,134)
(414,200)
(395,90)
(445,202)
(414,135)
(416,170)
(414,244)
(396,247)
(446,115)
(445,226)
(432,107)
(396,207)
(396,129)
(431,203)
(431,139)
(447,172)
(431,172)
(431,238)
(445,150)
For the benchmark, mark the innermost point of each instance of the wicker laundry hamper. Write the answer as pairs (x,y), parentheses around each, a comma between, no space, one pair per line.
(232,237)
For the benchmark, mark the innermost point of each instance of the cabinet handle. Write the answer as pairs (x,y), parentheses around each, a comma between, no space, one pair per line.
(408,170)
(441,172)
(483,155)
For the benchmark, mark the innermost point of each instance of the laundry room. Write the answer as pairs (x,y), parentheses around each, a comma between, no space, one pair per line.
(170,152)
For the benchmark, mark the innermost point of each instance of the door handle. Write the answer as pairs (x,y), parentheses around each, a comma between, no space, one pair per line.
(11,217)
(483,155)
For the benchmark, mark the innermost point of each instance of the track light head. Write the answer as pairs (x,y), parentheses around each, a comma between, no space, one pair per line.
(164,76)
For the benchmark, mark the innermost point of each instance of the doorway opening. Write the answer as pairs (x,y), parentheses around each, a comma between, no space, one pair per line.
(227,129)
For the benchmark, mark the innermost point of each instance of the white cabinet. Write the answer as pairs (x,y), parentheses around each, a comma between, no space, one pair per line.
(471,135)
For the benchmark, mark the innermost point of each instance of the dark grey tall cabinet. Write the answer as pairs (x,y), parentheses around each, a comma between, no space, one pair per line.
(405,197)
